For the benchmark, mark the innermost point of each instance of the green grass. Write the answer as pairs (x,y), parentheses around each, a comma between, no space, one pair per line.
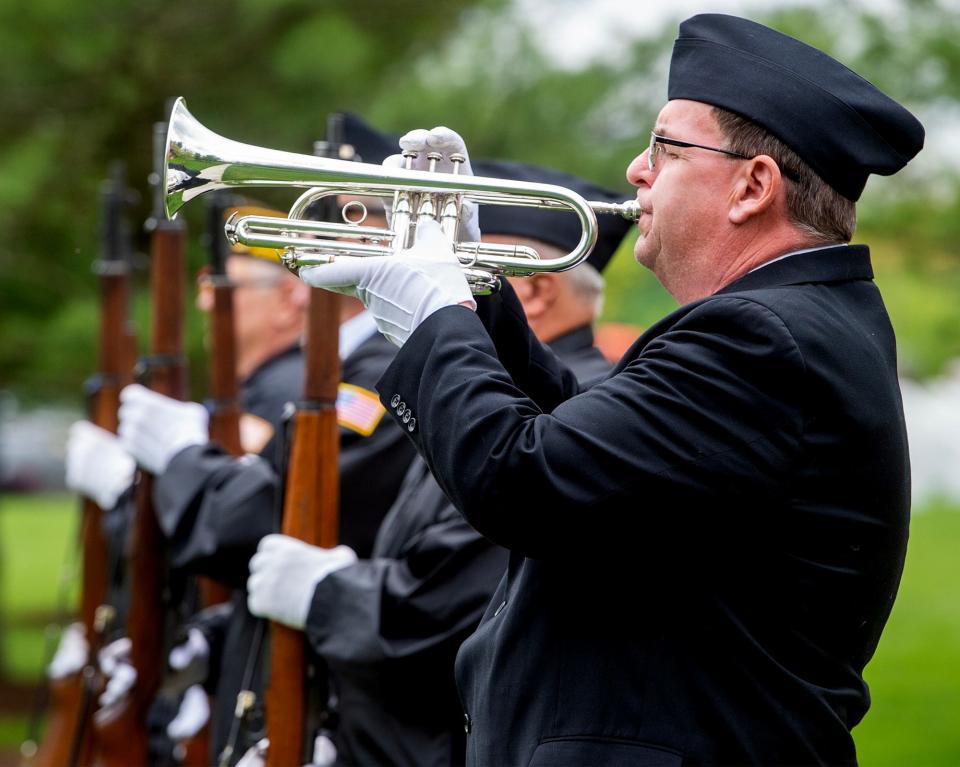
(914,678)
(37,534)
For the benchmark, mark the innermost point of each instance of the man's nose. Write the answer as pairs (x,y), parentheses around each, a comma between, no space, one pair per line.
(638,171)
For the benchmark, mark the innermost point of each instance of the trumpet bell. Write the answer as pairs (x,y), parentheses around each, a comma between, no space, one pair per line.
(198,161)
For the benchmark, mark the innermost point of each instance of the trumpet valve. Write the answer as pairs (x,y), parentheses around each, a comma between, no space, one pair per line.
(433,158)
(457,159)
(401,221)
(450,218)
(427,209)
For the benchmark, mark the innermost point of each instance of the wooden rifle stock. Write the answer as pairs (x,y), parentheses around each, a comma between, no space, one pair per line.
(69,738)
(310,513)
(311,506)
(123,728)
(224,388)
(225,416)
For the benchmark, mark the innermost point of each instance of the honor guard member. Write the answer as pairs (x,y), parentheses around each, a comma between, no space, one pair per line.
(708,542)
(389,626)
(215,508)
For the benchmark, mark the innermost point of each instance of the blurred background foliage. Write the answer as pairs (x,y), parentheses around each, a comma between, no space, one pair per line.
(84,82)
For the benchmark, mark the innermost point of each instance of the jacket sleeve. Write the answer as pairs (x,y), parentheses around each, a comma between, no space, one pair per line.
(371,471)
(214,509)
(531,365)
(712,404)
(433,594)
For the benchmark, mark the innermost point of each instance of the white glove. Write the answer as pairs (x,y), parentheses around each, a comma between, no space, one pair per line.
(255,756)
(400,291)
(97,465)
(71,653)
(284,573)
(116,666)
(446,142)
(154,428)
(324,752)
(194,647)
(193,714)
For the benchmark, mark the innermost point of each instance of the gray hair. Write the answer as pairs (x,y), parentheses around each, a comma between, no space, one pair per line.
(584,280)
(587,285)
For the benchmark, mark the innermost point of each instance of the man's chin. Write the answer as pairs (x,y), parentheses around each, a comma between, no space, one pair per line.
(643,253)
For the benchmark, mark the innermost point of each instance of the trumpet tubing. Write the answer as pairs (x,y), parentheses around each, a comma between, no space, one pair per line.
(200,161)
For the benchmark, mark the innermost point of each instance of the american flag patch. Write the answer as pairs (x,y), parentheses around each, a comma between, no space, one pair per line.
(358,409)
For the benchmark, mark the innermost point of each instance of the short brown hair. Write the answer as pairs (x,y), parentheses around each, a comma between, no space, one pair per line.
(815,207)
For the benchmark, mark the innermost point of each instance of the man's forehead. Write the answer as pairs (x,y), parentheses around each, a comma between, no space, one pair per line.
(680,116)
(238,264)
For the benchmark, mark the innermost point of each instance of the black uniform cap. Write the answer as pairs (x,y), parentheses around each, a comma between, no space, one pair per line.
(371,145)
(838,123)
(558,228)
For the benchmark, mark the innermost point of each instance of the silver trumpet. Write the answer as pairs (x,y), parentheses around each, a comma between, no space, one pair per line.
(200,161)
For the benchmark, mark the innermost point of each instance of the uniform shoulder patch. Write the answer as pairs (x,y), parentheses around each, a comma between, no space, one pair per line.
(358,409)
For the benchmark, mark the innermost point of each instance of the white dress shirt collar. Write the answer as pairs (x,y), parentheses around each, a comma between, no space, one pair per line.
(794,253)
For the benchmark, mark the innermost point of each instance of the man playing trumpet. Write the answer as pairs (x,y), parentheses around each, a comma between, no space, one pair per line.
(706,544)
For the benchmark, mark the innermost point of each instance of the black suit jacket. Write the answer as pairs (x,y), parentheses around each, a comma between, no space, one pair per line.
(389,627)
(706,545)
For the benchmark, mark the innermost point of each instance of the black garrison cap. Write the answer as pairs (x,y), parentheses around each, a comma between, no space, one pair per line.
(838,123)
(371,145)
(558,228)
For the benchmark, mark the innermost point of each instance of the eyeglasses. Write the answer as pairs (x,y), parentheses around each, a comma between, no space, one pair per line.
(656,140)
(216,281)
(207,281)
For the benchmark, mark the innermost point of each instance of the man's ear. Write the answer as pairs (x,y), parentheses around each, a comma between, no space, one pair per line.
(294,300)
(544,288)
(299,294)
(757,187)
